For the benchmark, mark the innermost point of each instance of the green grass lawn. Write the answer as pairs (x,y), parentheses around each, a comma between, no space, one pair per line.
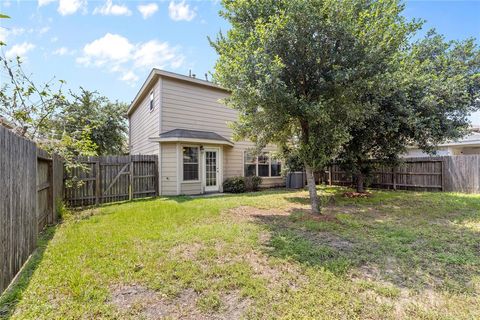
(395,255)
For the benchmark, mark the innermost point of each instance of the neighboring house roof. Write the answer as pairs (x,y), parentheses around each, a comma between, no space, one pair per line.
(5,123)
(471,139)
(153,77)
(183,135)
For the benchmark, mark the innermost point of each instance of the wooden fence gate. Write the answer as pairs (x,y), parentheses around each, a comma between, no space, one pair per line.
(113,178)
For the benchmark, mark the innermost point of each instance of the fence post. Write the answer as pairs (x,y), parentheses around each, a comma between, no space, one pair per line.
(157,184)
(130,193)
(97,183)
(394,177)
(51,200)
(442,175)
(330,175)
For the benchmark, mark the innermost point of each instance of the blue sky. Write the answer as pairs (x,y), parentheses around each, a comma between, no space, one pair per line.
(110,46)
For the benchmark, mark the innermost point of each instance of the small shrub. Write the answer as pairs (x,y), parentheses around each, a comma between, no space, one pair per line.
(234,185)
(62,210)
(252,183)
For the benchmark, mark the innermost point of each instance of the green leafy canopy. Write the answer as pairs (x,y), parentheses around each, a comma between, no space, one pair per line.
(297,69)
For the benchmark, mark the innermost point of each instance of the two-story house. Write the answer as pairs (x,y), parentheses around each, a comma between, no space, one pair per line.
(183,120)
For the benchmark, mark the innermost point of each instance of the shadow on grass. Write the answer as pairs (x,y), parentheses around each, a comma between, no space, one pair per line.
(265,192)
(12,296)
(415,246)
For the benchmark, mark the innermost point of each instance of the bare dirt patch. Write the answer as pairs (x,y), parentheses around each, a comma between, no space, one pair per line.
(141,302)
(357,194)
(245,213)
(187,251)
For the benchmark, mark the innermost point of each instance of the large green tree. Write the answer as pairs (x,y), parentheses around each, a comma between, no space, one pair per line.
(431,89)
(296,68)
(106,120)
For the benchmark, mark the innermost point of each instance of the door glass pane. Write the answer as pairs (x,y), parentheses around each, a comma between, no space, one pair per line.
(211,168)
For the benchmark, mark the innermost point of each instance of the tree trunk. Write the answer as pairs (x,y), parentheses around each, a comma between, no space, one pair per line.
(312,190)
(360,183)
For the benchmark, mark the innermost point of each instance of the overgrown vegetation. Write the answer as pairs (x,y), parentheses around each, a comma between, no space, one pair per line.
(394,255)
(69,125)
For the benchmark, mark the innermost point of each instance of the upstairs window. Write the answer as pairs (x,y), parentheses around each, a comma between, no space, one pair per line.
(263,166)
(190,163)
(151,101)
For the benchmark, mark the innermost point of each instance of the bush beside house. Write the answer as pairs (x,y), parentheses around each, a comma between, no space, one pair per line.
(241,184)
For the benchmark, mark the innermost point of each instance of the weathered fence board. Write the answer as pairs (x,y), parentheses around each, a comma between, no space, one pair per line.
(31,182)
(113,178)
(462,173)
(447,173)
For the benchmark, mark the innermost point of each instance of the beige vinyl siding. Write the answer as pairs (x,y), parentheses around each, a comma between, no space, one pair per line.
(190,188)
(194,107)
(144,124)
(169,168)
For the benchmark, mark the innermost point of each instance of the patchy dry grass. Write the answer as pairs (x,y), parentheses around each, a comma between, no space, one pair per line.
(393,255)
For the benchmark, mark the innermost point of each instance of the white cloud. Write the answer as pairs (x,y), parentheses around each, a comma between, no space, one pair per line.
(43,30)
(180,11)
(3,34)
(62,51)
(147,10)
(111,48)
(67,7)
(6,33)
(129,77)
(53,39)
(42,3)
(19,50)
(17,31)
(116,53)
(110,9)
(157,54)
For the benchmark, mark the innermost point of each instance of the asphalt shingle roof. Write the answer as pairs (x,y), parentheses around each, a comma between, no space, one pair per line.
(193,134)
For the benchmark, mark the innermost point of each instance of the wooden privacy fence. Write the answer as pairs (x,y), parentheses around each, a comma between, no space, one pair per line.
(113,178)
(31,184)
(447,173)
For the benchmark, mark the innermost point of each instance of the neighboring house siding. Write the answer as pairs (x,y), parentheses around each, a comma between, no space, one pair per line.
(169,168)
(467,150)
(144,124)
(415,153)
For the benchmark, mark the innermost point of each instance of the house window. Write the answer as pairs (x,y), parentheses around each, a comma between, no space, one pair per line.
(250,165)
(190,163)
(275,167)
(263,166)
(151,101)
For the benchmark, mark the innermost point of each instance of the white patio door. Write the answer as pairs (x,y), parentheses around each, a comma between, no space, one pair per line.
(212,170)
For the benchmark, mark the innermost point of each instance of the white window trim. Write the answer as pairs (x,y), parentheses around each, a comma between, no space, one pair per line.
(198,163)
(219,151)
(256,165)
(151,99)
